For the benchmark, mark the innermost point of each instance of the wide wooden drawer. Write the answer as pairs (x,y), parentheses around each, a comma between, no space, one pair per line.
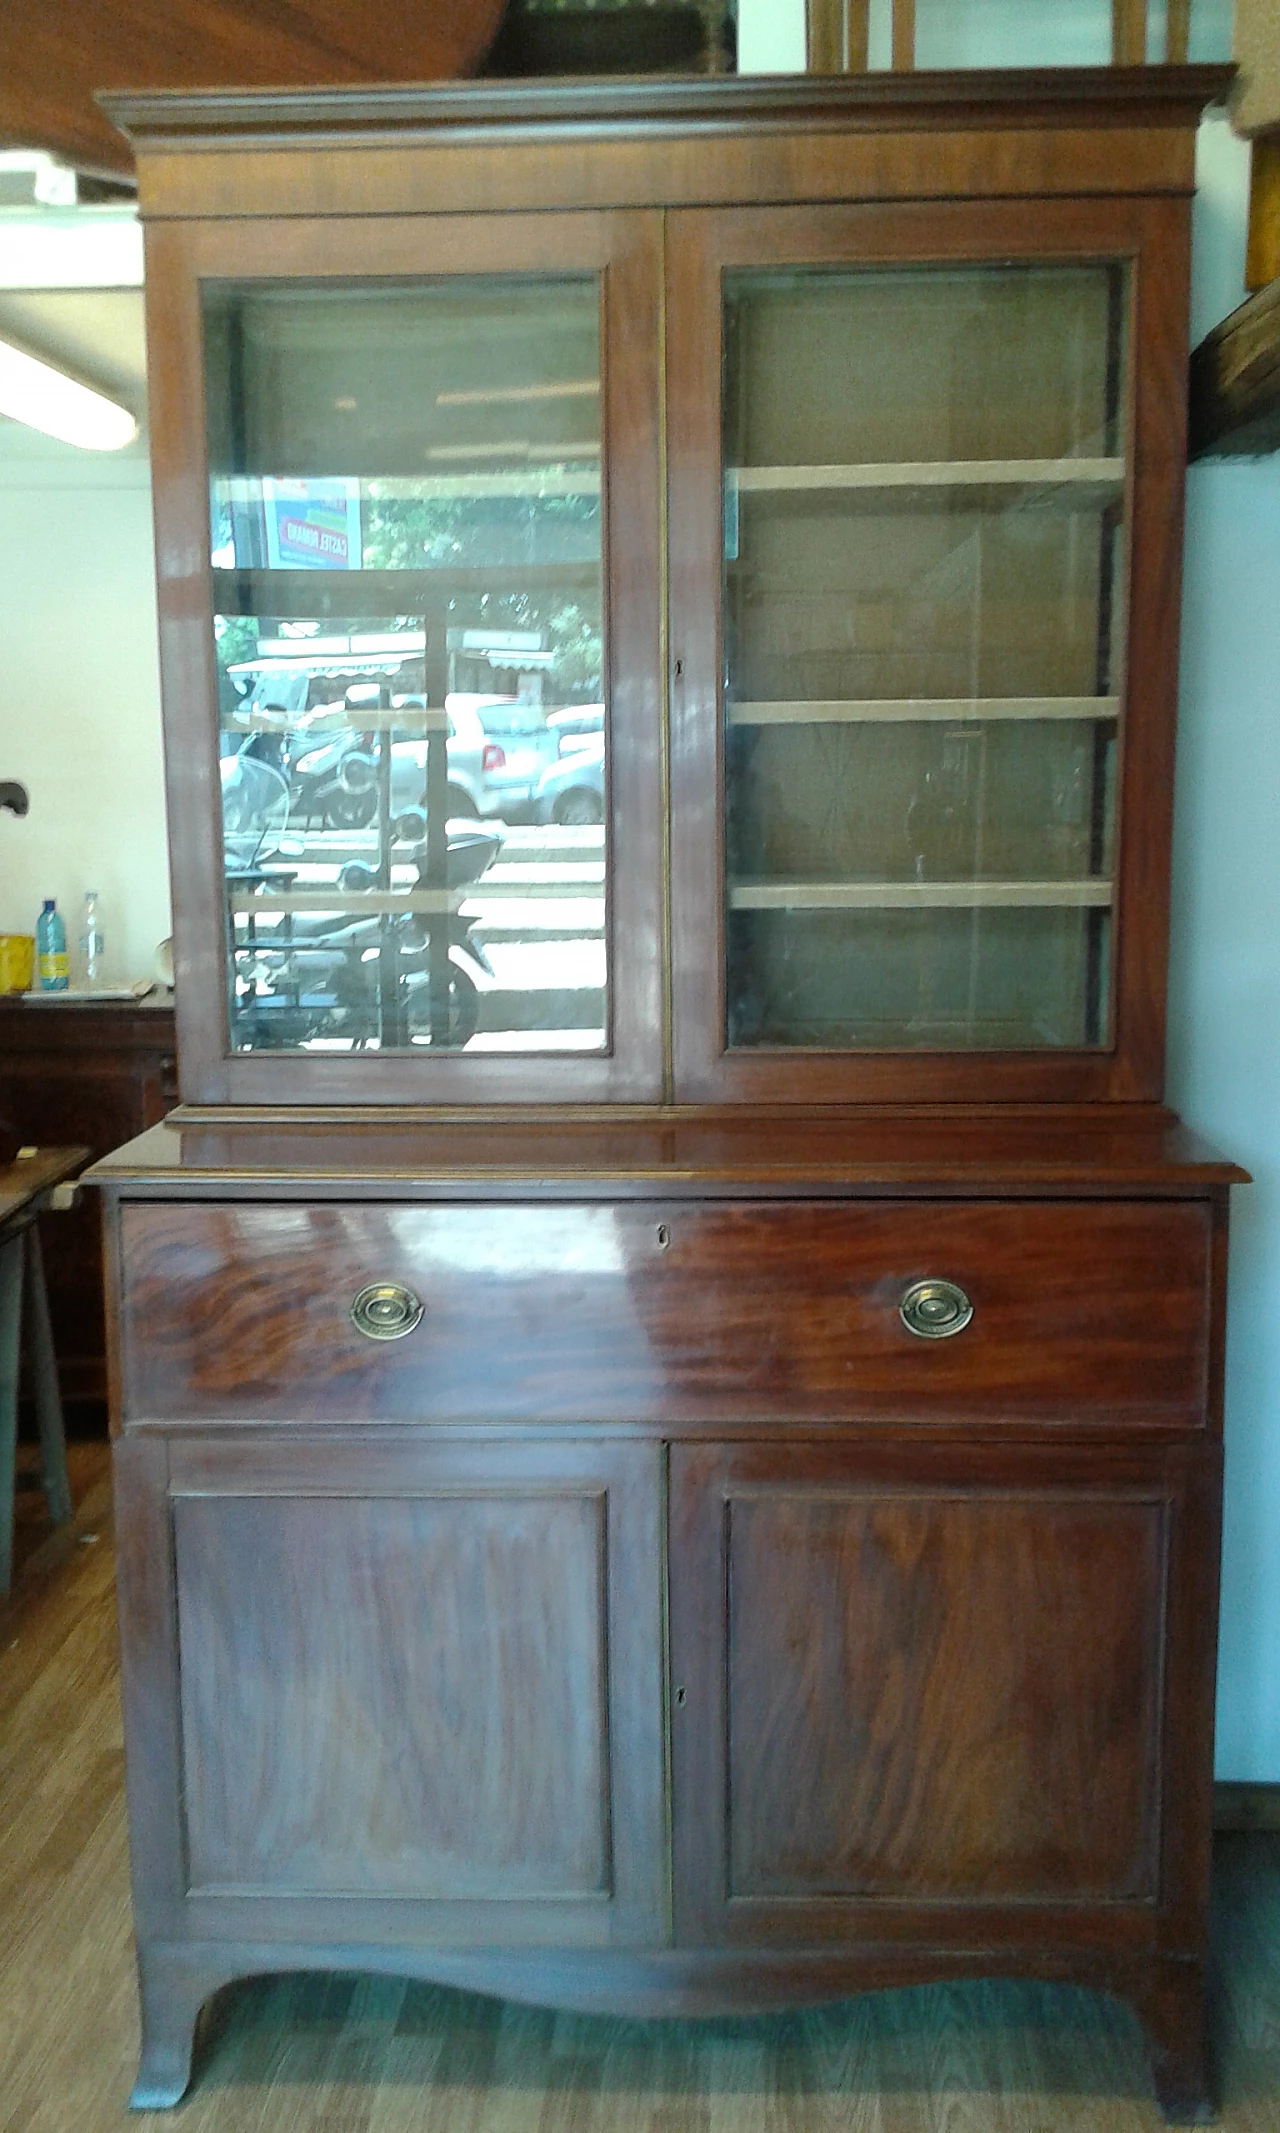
(680,1311)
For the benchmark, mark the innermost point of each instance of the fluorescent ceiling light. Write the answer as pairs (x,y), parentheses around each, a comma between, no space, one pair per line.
(33,392)
(53,184)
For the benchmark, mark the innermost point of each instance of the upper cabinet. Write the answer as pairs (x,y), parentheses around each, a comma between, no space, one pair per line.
(711,639)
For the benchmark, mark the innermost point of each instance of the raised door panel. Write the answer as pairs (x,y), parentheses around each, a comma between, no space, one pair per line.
(419,1692)
(908,1686)
(437,1726)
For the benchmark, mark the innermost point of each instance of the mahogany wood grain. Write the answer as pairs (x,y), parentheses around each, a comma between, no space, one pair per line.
(662,1312)
(622,252)
(466,1762)
(1027,1771)
(56,54)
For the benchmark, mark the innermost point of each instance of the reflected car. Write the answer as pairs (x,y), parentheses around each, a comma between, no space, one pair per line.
(575,724)
(498,749)
(571,792)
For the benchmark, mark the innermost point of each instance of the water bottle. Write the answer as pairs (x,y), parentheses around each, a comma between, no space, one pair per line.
(91,940)
(51,948)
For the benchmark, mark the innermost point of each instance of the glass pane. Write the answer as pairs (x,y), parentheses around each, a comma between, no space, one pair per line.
(406,547)
(923,631)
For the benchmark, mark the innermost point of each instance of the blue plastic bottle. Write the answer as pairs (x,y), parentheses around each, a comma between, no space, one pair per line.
(51,949)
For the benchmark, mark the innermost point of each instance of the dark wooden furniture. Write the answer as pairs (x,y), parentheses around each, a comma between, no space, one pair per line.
(1235,382)
(92,1073)
(682,1472)
(25,1189)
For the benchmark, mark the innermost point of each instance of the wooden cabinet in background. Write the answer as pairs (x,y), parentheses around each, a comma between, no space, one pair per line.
(670,1360)
(80,1074)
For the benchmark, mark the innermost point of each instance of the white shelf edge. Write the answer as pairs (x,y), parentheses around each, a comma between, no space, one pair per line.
(931,474)
(326,727)
(918,895)
(919,710)
(352,905)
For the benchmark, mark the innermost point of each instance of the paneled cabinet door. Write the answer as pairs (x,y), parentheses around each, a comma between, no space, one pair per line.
(414,462)
(398,1689)
(913,1687)
(925,481)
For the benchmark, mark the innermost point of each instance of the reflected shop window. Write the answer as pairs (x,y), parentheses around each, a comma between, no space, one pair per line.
(405,528)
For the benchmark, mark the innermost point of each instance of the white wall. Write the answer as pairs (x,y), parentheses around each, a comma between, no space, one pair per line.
(80,694)
(979,33)
(1224,1002)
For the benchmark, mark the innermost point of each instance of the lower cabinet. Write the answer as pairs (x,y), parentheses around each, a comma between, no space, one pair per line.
(743,1703)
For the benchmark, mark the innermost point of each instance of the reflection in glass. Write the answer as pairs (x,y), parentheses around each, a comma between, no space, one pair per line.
(406,546)
(923,621)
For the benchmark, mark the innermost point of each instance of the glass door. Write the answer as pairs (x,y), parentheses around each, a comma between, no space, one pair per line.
(920,663)
(418,671)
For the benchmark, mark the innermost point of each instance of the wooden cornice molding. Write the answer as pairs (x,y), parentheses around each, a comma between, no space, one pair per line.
(1130,96)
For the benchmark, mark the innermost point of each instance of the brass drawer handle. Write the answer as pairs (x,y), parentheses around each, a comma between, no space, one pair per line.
(385,1311)
(934,1310)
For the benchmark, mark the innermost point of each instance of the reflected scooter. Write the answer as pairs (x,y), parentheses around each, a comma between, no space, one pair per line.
(325,979)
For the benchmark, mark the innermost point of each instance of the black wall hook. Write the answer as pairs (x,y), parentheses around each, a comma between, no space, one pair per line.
(14,797)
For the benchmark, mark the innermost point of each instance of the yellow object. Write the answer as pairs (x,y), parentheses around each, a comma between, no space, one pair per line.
(17,962)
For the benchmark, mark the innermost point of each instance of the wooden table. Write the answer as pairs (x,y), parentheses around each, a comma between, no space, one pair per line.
(26,1187)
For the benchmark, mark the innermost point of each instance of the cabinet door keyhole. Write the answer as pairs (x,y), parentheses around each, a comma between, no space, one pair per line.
(664,1236)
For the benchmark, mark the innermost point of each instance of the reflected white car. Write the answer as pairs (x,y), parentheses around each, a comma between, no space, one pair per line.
(572,791)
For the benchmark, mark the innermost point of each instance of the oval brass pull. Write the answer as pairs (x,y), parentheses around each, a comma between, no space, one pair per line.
(934,1310)
(385,1311)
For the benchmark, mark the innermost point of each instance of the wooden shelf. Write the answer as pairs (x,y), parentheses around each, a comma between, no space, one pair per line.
(918,895)
(1077,477)
(923,710)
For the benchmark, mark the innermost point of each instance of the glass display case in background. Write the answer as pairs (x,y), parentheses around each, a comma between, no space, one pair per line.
(405,511)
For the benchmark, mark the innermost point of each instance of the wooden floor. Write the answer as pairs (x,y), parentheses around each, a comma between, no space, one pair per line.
(373,2056)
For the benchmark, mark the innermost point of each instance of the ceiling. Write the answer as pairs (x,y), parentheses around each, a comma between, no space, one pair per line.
(54,54)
